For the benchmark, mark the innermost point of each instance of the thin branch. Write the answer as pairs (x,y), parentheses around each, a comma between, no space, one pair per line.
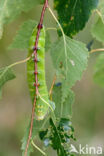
(36,76)
(40,26)
(31,127)
(51,89)
(97,50)
(19,62)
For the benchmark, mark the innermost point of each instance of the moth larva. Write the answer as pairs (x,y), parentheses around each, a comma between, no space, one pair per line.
(41,107)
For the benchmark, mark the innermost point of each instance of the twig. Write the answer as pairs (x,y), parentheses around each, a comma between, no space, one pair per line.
(19,62)
(36,76)
(31,127)
(97,50)
(40,26)
(51,89)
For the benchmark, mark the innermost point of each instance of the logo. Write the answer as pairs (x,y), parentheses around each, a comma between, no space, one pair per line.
(86,150)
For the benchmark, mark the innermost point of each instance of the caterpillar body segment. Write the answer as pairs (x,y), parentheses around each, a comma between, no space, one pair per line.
(41,107)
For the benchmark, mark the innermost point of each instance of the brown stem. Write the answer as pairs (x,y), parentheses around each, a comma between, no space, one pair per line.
(31,127)
(51,89)
(36,42)
(97,50)
(36,75)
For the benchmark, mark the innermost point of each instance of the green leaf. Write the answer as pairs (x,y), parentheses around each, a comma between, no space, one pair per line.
(98,30)
(99,71)
(21,40)
(6,74)
(63,110)
(76,61)
(58,136)
(10,9)
(73,14)
(101,9)
(37,126)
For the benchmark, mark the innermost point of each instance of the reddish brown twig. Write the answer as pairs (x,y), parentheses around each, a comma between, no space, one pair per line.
(36,75)
(31,127)
(36,42)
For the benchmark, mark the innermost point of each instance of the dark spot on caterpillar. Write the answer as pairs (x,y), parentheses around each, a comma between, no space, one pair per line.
(36,48)
(36,60)
(58,84)
(40,26)
(35,72)
(36,84)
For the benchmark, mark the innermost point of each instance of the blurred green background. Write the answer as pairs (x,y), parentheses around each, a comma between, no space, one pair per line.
(15,105)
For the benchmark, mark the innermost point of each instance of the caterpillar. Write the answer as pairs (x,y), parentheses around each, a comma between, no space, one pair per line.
(41,107)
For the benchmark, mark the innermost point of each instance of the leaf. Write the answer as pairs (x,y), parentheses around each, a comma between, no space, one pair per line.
(76,61)
(58,136)
(6,74)
(101,9)
(99,71)
(37,126)
(98,30)
(73,14)
(63,110)
(21,41)
(10,9)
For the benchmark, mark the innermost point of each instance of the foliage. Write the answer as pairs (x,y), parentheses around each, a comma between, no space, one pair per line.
(69,59)
(69,65)
(9,10)
(59,136)
(37,126)
(74,14)
(99,71)
(64,109)
(6,74)
(98,30)
(101,9)
(21,40)
(98,27)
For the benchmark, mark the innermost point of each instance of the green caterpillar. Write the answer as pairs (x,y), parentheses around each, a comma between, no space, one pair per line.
(42,106)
